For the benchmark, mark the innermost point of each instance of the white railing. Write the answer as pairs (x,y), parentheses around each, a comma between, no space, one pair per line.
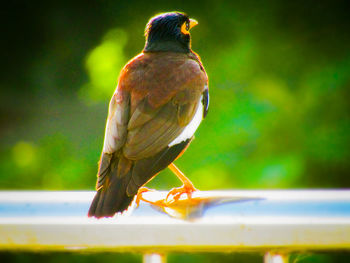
(273,222)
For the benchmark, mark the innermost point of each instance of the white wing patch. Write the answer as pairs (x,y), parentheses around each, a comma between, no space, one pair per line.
(111,133)
(116,126)
(192,126)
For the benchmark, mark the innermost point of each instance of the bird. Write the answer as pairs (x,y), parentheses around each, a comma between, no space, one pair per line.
(161,97)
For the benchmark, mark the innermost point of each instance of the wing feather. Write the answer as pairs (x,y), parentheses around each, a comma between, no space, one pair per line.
(118,117)
(156,134)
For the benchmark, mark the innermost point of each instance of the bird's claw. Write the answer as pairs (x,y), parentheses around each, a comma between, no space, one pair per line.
(172,196)
(175,193)
(139,196)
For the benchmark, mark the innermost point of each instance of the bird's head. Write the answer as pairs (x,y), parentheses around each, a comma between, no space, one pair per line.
(169,32)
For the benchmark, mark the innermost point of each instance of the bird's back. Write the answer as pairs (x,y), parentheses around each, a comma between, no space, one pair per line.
(161,75)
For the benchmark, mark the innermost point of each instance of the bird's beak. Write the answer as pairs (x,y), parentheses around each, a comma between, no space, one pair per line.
(193,23)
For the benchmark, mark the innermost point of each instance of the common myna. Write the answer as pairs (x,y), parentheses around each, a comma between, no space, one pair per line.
(160,100)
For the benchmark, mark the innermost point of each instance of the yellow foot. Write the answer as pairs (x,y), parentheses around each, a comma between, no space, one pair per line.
(175,193)
(139,198)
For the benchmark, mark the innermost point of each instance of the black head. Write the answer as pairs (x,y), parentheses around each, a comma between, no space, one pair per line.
(169,32)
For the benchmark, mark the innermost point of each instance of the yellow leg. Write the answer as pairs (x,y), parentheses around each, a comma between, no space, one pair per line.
(187,187)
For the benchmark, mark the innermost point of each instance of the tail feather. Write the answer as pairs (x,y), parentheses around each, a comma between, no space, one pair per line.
(112,197)
(124,177)
(109,201)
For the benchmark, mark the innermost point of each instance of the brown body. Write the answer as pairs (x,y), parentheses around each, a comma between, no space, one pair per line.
(157,96)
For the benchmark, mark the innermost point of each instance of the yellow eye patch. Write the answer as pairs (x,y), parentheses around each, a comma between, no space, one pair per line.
(186,26)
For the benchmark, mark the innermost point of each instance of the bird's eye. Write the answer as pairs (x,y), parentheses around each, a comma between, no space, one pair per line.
(187,25)
(185,28)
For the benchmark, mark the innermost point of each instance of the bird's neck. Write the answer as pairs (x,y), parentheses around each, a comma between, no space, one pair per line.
(172,46)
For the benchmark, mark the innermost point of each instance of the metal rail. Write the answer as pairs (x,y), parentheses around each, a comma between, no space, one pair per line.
(274,222)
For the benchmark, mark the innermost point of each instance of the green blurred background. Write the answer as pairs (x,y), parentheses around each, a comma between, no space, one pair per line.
(279,83)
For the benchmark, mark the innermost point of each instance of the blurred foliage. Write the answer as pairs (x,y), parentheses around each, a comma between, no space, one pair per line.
(103,64)
(279,83)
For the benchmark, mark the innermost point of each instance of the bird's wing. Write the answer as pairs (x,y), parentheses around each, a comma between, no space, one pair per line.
(155,136)
(165,91)
(152,129)
(115,132)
